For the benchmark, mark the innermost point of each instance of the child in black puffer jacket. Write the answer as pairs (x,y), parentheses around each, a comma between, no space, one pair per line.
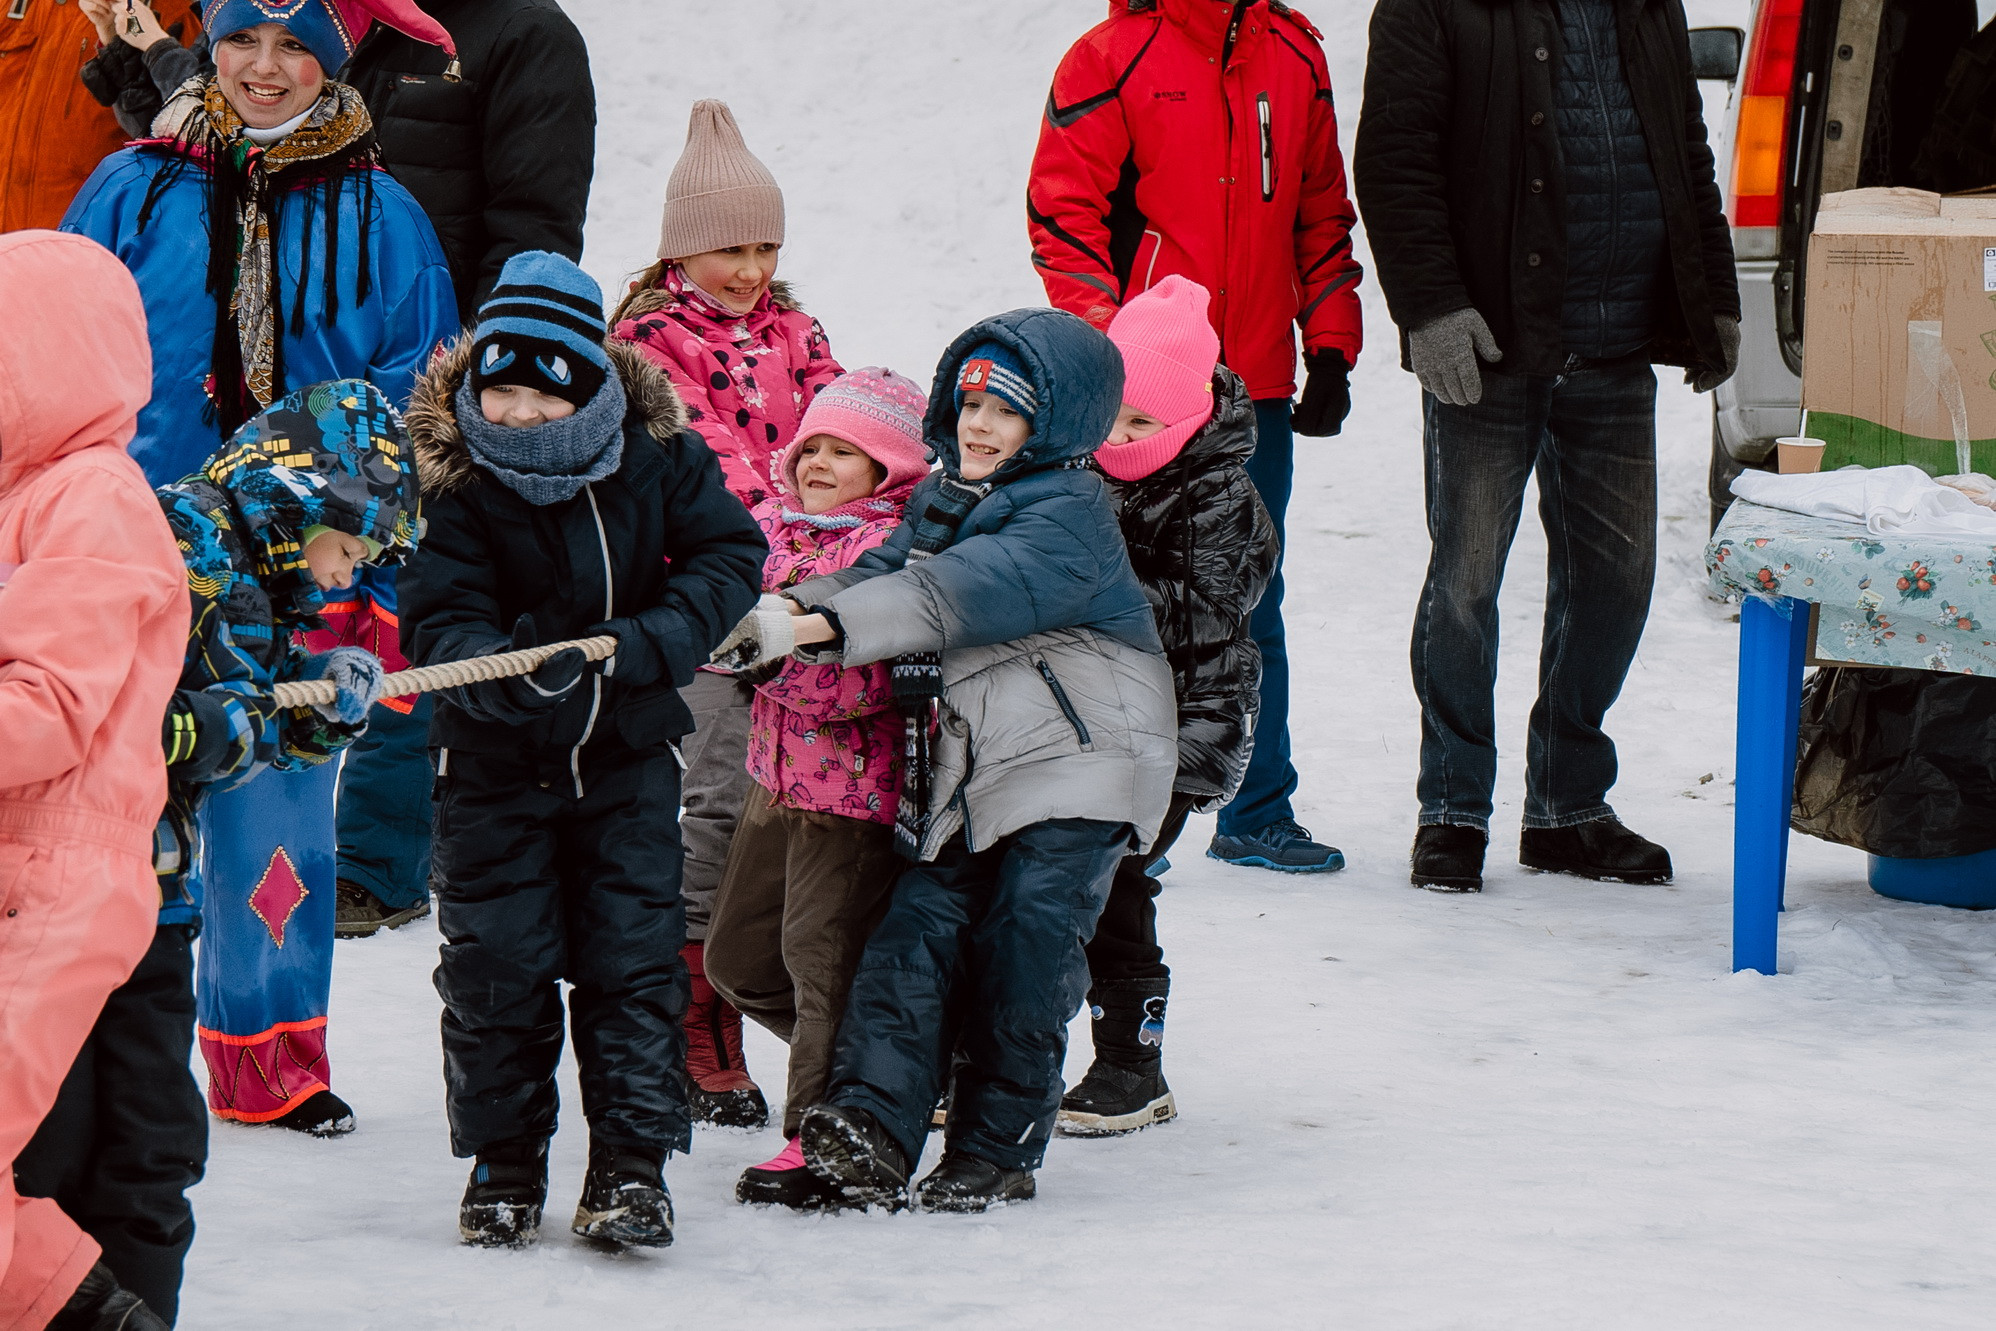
(1204,549)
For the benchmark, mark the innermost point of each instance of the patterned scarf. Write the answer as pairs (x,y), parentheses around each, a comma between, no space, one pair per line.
(337,137)
(917,678)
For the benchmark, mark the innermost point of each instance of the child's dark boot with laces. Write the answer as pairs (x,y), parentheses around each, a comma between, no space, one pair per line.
(503,1199)
(624,1200)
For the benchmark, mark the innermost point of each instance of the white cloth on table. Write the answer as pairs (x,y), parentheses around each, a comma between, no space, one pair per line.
(1902,501)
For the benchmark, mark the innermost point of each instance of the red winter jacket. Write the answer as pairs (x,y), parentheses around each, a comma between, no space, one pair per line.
(1197,137)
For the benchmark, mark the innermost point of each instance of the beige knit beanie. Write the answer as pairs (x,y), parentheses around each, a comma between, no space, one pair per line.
(719,194)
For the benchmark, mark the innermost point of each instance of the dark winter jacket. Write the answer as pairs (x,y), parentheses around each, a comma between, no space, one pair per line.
(661,540)
(1204,549)
(1616,247)
(501,160)
(1458,171)
(1057,699)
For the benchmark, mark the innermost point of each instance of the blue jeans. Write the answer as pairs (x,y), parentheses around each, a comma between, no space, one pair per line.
(384,819)
(1271,778)
(1590,434)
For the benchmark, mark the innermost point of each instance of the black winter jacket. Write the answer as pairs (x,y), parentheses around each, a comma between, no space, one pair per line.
(681,555)
(1205,549)
(1459,175)
(502,160)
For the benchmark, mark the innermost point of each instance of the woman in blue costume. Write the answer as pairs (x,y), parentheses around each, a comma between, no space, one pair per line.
(272,253)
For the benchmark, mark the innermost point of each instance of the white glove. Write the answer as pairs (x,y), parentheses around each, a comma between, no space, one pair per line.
(764,634)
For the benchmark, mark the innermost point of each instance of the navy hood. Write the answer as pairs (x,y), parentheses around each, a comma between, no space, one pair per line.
(1075,368)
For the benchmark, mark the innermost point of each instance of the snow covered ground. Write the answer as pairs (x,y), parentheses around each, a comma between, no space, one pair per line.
(1547,1106)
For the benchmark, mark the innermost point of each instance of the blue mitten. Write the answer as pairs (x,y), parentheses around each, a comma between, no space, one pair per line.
(356,673)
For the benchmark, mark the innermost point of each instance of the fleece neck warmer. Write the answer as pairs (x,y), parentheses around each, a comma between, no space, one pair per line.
(548,463)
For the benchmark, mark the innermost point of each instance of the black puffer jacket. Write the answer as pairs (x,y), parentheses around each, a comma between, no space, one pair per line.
(1205,549)
(683,557)
(501,160)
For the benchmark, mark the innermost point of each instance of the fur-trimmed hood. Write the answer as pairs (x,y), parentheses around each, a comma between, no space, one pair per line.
(656,297)
(443,458)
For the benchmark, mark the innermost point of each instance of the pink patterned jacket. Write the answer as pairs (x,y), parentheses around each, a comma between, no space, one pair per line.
(745,378)
(825,737)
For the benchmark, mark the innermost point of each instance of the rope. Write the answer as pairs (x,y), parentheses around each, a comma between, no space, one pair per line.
(448,675)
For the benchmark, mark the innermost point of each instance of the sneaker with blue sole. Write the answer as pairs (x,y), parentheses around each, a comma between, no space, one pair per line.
(1282,846)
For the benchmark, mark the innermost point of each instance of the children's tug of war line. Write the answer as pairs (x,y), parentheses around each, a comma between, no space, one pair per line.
(911,694)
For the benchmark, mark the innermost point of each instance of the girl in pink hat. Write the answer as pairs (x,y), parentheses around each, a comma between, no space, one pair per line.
(813,857)
(1204,548)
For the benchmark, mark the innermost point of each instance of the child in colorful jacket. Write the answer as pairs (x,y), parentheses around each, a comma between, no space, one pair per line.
(813,857)
(747,362)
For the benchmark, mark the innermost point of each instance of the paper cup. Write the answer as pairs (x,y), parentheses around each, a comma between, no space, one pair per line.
(1796,453)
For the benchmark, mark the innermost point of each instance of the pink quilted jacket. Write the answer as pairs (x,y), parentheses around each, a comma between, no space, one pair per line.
(746,379)
(827,737)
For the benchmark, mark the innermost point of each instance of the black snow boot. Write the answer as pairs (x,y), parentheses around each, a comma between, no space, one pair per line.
(503,1199)
(1124,1090)
(787,1181)
(320,1115)
(624,1200)
(1448,858)
(1601,849)
(967,1183)
(102,1304)
(849,1149)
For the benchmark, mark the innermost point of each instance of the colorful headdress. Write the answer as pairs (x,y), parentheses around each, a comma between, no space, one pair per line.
(330,29)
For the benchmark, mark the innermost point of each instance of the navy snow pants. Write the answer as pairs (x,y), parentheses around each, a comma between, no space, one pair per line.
(981,953)
(384,817)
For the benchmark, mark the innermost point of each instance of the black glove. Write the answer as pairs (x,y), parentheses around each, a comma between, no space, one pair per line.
(637,661)
(519,700)
(1326,395)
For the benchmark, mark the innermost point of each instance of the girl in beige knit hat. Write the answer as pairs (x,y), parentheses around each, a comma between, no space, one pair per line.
(747,361)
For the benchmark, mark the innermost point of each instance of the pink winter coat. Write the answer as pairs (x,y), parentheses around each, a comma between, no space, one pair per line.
(745,379)
(827,737)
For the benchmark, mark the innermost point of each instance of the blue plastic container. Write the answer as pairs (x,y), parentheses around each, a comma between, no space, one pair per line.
(1964,881)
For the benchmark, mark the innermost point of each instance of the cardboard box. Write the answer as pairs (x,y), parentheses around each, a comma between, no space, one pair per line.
(1899,336)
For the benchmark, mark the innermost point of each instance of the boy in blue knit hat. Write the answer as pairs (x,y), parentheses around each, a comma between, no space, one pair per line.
(565,500)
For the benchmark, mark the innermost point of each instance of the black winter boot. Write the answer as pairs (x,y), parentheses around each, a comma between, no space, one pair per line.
(1124,1090)
(967,1183)
(624,1200)
(1448,858)
(503,1198)
(848,1148)
(322,1114)
(102,1304)
(1601,849)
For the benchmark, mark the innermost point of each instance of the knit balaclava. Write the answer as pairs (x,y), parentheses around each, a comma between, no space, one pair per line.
(1170,352)
(330,29)
(992,367)
(718,195)
(542,328)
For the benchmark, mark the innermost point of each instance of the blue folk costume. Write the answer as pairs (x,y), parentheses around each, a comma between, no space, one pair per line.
(331,456)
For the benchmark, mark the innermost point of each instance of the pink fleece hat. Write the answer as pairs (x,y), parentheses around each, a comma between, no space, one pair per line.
(1169,354)
(876,411)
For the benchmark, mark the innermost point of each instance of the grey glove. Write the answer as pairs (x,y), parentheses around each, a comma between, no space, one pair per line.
(1704,381)
(1445,354)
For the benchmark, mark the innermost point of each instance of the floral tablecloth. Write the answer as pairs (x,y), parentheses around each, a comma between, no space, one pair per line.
(1921,602)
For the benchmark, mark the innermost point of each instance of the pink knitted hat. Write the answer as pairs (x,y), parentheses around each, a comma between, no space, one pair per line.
(876,411)
(719,194)
(1169,354)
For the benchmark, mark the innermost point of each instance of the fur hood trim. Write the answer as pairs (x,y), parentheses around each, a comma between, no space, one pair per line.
(655,298)
(443,459)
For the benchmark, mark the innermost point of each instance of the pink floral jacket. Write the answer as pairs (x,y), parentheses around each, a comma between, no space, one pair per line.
(825,737)
(745,378)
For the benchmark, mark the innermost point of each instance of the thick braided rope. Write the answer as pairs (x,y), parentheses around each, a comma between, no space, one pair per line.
(449,675)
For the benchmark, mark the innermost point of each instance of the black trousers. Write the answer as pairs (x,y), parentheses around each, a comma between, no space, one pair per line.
(128,1134)
(1125,943)
(537,884)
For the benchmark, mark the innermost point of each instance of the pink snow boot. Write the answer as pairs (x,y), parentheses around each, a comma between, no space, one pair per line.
(784,1181)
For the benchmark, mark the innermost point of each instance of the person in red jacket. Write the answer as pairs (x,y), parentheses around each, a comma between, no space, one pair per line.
(1197,137)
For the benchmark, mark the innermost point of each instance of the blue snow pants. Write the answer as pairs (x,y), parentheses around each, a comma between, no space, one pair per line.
(980,953)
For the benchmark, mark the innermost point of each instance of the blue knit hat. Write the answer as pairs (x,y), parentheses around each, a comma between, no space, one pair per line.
(992,367)
(541,328)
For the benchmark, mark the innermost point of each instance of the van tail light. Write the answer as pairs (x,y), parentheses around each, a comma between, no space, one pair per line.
(1760,140)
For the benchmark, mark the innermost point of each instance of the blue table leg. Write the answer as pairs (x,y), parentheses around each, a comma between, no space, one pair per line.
(1774,640)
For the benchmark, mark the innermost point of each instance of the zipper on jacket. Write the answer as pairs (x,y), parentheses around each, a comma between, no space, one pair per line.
(609,612)
(1266,118)
(1060,696)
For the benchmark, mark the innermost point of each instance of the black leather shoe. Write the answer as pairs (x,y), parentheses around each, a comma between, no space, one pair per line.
(1448,858)
(966,1183)
(849,1149)
(1603,850)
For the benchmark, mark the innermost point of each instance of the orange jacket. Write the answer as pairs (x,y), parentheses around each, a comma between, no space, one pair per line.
(52,131)
(93,616)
